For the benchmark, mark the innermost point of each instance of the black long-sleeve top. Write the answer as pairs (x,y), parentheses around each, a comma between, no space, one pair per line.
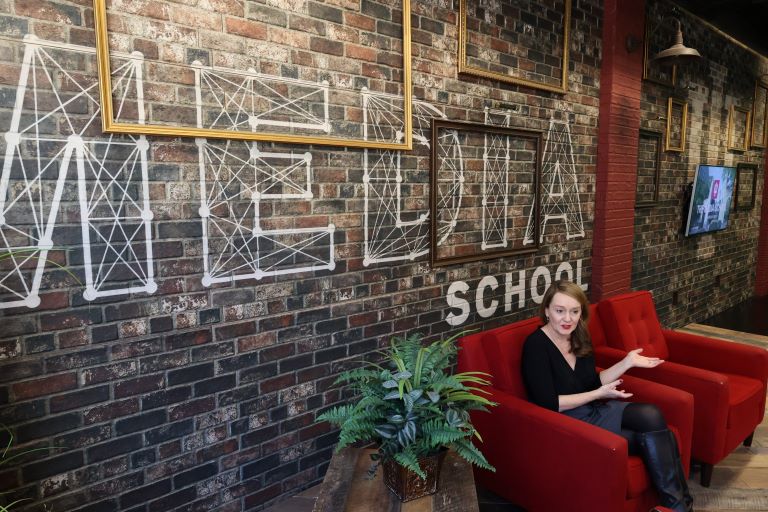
(547,374)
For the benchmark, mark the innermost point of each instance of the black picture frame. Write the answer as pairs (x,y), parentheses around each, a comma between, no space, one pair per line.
(657,137)
(741,169)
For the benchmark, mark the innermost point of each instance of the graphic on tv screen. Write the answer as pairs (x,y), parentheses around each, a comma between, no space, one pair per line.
(711,199)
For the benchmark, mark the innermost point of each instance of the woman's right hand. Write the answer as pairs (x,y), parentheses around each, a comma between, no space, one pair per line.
(611,390)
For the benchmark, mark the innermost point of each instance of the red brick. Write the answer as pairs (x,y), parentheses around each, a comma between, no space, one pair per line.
(45,386)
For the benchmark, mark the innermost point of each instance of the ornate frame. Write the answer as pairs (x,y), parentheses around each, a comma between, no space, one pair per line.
(740,167)
(652,134)
(671,102)
(468,69)
(732,125)
(439,125)
(110,125)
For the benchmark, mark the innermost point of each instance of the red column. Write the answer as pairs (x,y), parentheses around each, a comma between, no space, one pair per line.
(761,279)
(619,123)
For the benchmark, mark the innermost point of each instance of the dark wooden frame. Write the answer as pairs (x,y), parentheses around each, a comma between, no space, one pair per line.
(732,125)
(739,168)
(652,134)
(759,86)
(536,136)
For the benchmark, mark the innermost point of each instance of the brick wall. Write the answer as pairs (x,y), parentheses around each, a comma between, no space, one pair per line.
(704,274)
(187,396)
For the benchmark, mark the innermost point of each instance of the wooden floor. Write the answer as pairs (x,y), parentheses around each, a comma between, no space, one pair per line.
(739,482)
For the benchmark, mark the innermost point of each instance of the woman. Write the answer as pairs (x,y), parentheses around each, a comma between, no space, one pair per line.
(559,374)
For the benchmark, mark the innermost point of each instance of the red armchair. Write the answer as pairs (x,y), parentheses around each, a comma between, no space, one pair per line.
(548,461)
(727,380)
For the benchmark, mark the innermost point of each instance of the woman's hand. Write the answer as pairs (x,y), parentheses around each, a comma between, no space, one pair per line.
(611,390)
(633,359)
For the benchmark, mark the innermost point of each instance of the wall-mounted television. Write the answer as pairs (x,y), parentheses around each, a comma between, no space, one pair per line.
(710,203)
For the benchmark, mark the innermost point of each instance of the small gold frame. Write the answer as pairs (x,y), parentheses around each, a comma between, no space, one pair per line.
(109,125)
(761,98)
(468,69)
(671,103)
(732,127)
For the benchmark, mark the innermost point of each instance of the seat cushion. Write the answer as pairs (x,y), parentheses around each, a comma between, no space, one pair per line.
(637,476)
(744,400)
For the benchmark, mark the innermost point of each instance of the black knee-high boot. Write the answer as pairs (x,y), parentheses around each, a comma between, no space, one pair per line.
(665,469)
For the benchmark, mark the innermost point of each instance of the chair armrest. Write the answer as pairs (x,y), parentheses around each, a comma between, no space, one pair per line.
(675,404)
(531,447)
(605,357)
(717,355)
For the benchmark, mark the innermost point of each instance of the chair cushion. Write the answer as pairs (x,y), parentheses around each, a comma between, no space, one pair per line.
(744,399)
(504,349)
(595,326)
(630,322)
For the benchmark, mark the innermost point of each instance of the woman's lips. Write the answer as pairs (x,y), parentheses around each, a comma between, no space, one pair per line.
(566,326)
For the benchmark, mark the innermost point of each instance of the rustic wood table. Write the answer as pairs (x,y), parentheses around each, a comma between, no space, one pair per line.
(347,488)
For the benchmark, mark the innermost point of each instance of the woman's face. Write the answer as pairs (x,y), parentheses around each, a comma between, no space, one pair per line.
(563,313)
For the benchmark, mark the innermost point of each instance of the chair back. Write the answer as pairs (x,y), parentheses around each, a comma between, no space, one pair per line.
(629,322)
(498,352)
(595,326)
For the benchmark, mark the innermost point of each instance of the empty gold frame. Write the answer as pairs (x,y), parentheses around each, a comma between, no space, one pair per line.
(738,128)
(677,125)
(506,56)
(759,134)
(484,192)
(280,107)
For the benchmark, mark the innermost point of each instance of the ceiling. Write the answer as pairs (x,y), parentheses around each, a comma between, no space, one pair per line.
(744,20)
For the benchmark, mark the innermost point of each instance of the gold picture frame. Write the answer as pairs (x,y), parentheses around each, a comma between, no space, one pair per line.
(733,144)
(397,137)
(677,126)
(758,134)
(496,219)
(465,67)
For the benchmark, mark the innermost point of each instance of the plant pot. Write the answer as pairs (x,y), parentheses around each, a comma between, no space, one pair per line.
(406,484)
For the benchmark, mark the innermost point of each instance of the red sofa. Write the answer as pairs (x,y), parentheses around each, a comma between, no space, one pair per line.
(546,461)
(727,380)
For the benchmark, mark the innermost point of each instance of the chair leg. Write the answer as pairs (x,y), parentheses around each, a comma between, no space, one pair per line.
(748,441)
(706,474)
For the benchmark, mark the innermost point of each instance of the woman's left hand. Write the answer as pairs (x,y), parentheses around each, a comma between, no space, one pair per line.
(635,360)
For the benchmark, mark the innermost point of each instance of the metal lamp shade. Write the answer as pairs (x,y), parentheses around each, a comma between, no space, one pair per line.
(678,53)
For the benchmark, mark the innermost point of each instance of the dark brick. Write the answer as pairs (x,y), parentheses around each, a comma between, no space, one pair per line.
(52,466)
(174,500)
(102,506)
(191,408)
(137,348)
(231,331)
(48,426)
(330,354)
(19,371)
(161,324)
(138,386)
(176,229)
(45,386)
(209,316)
(165,397)
(240,362)
(102,333)
(70,319)
(114,409)
(233,297)
(143,458)
(313,315)
(39,343)
(215,385)
(140,422)
(195,475)
(79,398)
(190,373)
(84,437)
(259,436)
(295,363)
(114,448)
(258,373)
(170,431)
(260,466)
(146,493)
(317,458)
(80,359)
(109,372)
(187,339)
(331,326)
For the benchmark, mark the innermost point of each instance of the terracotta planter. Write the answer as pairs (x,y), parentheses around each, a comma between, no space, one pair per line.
(406,484)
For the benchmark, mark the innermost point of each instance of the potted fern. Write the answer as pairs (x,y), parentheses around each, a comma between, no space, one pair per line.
(414,410)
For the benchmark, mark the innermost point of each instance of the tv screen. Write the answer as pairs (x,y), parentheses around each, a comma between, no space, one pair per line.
(711,197)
